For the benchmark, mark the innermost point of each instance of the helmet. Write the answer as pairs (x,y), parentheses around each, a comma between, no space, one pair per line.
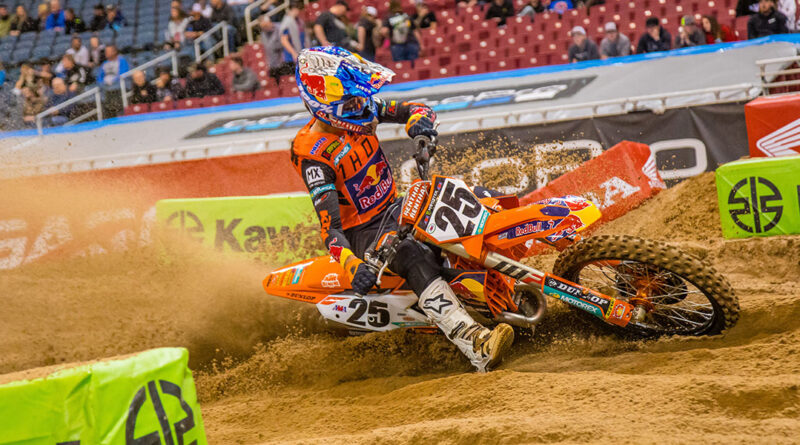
(337,87)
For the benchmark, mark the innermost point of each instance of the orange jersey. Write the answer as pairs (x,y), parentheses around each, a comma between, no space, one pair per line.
(363,177)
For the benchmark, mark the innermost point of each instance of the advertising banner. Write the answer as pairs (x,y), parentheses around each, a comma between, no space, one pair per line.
(685,143)
(617,181)
(148,398)
(100,211)
(773,126)
(283,228)
(759,197)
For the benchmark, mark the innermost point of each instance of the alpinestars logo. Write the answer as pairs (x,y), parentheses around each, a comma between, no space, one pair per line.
(437,304)
(784,141)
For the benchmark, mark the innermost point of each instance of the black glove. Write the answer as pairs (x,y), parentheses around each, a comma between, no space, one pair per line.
(421,125)
(363,279)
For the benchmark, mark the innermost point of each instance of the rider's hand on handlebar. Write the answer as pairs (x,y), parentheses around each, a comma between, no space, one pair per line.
(363,279)
(421,125)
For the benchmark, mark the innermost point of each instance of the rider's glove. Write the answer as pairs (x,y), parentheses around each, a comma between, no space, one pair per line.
(420,124)
(361,276)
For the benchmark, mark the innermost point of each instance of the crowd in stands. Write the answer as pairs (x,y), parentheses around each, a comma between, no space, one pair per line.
(102,60)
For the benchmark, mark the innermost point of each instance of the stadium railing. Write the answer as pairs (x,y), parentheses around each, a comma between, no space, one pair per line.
(123,85)
(250,21)
(787,68)
(96,111)
(199,54)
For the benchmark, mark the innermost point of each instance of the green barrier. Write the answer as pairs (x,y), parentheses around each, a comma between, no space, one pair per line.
(283,227)
(148,398)
(759,197)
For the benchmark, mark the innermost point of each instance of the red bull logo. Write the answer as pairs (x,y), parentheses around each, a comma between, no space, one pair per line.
(315,85)
(469,288)
(371,178)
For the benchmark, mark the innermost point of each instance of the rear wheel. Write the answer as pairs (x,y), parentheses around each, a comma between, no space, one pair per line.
(674,293)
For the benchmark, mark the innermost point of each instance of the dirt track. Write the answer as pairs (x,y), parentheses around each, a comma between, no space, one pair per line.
(567,384)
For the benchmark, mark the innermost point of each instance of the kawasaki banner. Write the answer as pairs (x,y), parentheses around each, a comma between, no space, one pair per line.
(519,159)
(148,398)
(759,197)
(280,227)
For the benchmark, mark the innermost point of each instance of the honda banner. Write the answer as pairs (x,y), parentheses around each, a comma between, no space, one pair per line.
(773,126)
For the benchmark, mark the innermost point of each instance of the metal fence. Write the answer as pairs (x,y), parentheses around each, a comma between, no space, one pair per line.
(250,21)
(779,68)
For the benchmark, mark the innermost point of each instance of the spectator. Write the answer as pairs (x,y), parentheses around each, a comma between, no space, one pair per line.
(716,33)
(582,48)
(204,8)
(329,29)
(75,75)
(656,38)
(72,22)
(789,9)
(614,44)
(221,11)
(30,86)
(273,48)
(402,33)
(689,34)
(142,92)
(23,23)
(97,52)
(78,51)
(43,12)
(99,21)
(767,22)
(57,96)
(198,24)
(114,18)
(56,19)
(114,66)
(270,5)
(746,7)
(423,17)
(531,8)
(560,6)
(2,73)
(244,79)
(201,83)
(368,32)
(167,87)
(500,9)
(5,21)
(293,35)
(176,28)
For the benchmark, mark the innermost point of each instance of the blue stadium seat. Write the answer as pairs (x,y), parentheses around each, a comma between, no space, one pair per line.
(60,48)
(19,56)
(124,41)
(26,44)
(145,37)
(5,48)
(61,38)
(28,36)
(40,52)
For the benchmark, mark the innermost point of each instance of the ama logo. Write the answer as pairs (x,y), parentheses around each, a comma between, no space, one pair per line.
(372,185)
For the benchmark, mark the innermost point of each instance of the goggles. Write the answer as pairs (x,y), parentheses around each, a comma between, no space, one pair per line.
(354,106)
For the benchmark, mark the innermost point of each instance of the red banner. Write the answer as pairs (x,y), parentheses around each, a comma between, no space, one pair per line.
(617,181)
(773,126)
(113,210)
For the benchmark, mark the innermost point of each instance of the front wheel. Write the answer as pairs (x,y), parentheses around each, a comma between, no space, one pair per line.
(674,293)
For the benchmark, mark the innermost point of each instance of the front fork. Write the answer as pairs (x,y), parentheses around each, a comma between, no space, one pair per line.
(611,310)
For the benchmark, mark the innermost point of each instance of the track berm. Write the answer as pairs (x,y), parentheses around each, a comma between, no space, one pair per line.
(269,372)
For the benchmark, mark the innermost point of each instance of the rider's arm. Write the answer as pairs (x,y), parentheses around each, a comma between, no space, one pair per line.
(418,118)
(320,180)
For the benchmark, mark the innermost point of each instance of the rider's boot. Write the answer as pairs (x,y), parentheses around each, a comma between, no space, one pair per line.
(483,347)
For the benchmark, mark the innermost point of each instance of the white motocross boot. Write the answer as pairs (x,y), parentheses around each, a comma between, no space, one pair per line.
(483,347)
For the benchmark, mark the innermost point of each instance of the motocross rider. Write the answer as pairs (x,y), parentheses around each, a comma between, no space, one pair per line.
(351,185)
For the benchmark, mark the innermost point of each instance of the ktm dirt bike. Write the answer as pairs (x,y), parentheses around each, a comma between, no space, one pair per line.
(643,287)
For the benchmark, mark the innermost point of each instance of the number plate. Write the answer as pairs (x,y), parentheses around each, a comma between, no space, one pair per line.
(374,313)
(454,212)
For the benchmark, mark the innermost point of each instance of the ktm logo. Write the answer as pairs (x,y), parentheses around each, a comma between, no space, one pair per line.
(756,215)
(784,141)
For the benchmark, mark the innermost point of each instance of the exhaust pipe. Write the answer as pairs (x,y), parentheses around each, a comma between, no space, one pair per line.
(520,320)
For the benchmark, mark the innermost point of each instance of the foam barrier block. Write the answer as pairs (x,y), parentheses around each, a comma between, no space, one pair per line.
(149,398)
(759,197)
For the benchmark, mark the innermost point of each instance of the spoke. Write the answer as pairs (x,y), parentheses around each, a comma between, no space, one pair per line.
(673,308)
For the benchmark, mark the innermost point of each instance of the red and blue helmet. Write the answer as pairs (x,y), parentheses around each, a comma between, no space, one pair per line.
(337,86)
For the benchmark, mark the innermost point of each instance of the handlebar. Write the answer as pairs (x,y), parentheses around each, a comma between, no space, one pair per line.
(425,148)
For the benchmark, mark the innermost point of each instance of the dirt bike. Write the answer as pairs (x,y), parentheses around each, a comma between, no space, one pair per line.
(639,286)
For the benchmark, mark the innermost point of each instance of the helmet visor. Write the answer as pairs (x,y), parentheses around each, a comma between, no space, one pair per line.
(354,106)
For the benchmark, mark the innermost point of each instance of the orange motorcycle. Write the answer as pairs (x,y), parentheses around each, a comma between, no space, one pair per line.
(640,286)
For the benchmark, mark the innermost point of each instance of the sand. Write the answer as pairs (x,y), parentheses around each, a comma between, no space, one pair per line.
(270,372)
